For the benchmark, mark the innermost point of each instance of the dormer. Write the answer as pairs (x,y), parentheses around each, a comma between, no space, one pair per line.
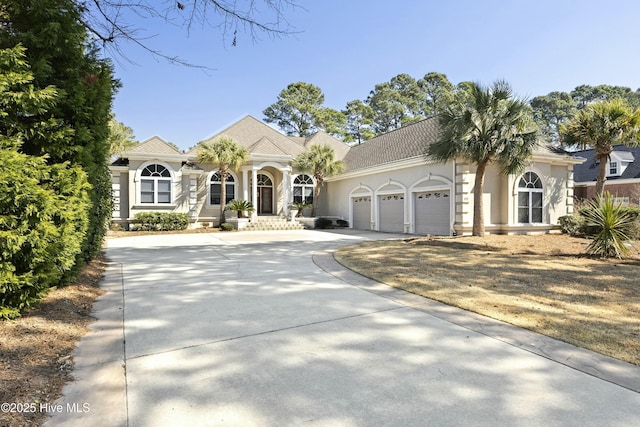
(618,163)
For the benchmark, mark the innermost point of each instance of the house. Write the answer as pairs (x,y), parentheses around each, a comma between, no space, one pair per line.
(388,185)
(623,175)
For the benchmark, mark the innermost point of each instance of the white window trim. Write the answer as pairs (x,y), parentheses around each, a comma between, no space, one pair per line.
(529,191)
(138,185)
(235,186)
(294,185)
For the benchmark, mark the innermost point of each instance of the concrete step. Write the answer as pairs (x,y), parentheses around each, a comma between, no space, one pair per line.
(273,223)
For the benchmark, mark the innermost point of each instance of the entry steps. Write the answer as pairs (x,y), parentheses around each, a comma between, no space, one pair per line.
(266,223)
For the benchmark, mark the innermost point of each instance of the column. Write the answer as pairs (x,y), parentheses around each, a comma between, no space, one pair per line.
(286,186)
(254,191)
(245,184)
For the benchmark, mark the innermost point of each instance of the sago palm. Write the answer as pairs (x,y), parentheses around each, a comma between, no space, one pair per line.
(492,125)
(602,125)
(225,155)
(320,161)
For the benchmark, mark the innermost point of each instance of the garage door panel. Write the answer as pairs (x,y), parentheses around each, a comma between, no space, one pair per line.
(432,213)
(391,208)
(361,212)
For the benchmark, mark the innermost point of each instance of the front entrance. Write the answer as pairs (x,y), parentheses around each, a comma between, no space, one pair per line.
(265,200)
(265,194)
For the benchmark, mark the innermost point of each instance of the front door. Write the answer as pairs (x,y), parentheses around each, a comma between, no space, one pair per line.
(265,194)
(265,200)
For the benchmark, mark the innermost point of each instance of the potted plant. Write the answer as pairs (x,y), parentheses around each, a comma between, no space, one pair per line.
(240,206)
(299,206)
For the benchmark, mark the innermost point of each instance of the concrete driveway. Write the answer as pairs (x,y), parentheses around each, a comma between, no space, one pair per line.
(264,329)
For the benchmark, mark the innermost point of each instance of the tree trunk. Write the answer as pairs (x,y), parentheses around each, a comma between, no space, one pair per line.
(478,200)
(223,196)
(602,175)
(316,197)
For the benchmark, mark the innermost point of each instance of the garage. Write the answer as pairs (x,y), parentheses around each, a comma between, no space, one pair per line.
(361,212)
(432,212)
(391,213)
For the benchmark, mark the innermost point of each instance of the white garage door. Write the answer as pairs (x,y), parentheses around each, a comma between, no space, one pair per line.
(361,212)
(432,212)
(392,213)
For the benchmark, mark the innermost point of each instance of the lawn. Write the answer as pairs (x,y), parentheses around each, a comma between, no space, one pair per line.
(542,283)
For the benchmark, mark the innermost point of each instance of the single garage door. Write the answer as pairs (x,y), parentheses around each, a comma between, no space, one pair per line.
(432,213)
(392,213)
(361,212)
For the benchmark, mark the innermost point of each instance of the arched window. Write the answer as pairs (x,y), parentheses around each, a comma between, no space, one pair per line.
(155,184)
(215,187)
(303,189)
(530,193)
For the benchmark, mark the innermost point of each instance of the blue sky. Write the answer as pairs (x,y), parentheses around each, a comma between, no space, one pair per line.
(347,47)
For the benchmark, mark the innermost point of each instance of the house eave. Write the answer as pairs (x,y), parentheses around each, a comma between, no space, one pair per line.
(158,156)
(608,182)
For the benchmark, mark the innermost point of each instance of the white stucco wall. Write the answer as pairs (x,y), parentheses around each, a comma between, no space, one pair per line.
(336,195)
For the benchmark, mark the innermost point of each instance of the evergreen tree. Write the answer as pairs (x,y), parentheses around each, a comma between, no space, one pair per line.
(61,55)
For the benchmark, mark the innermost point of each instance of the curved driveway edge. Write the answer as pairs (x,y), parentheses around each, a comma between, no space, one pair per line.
(606,368)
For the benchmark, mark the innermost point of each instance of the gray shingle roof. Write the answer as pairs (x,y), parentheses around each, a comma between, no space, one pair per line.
(154,145)
(588,171)
(322,138)
(249,131)
(400,144)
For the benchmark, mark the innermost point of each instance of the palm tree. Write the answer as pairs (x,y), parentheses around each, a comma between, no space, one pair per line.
(225,154)
(492,125)
(602,125)
(320,161)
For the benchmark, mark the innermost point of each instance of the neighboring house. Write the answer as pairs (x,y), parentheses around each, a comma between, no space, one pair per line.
(387,185)
(623,175)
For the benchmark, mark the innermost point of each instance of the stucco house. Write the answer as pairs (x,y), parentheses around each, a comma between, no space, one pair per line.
(623,175)
(388,185)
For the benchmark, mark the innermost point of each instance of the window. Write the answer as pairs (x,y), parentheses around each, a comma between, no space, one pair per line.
(155,184)
(303,189)
(216,189)
(613,168)
(530,199)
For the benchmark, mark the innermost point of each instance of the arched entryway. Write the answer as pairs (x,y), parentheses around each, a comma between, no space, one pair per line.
(265,194)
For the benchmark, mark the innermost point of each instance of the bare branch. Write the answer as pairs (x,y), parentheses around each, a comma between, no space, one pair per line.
(109,20)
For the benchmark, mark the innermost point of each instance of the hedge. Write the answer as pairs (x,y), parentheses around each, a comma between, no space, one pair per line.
(159,221)
(43,222)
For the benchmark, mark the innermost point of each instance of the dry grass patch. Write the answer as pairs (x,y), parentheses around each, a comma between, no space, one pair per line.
(541,283)
(34,349)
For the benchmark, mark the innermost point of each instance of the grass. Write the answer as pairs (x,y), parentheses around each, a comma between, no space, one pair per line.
(542,283)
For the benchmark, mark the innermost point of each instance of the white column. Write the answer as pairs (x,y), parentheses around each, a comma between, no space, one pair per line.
(286,185)
(254,191)
(245,184)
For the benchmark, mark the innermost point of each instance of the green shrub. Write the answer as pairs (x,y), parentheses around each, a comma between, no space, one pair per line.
(573,225)
(160,221)
(225,226)
(613,224)
(240,206)
(323,223)
(43,222)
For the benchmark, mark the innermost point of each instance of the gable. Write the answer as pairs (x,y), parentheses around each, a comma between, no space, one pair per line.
(249,131)
(322,138)
(154,145)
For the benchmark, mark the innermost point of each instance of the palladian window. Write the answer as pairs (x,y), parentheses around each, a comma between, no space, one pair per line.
(215,188)
(530,194)
(303,189)
(155,184)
